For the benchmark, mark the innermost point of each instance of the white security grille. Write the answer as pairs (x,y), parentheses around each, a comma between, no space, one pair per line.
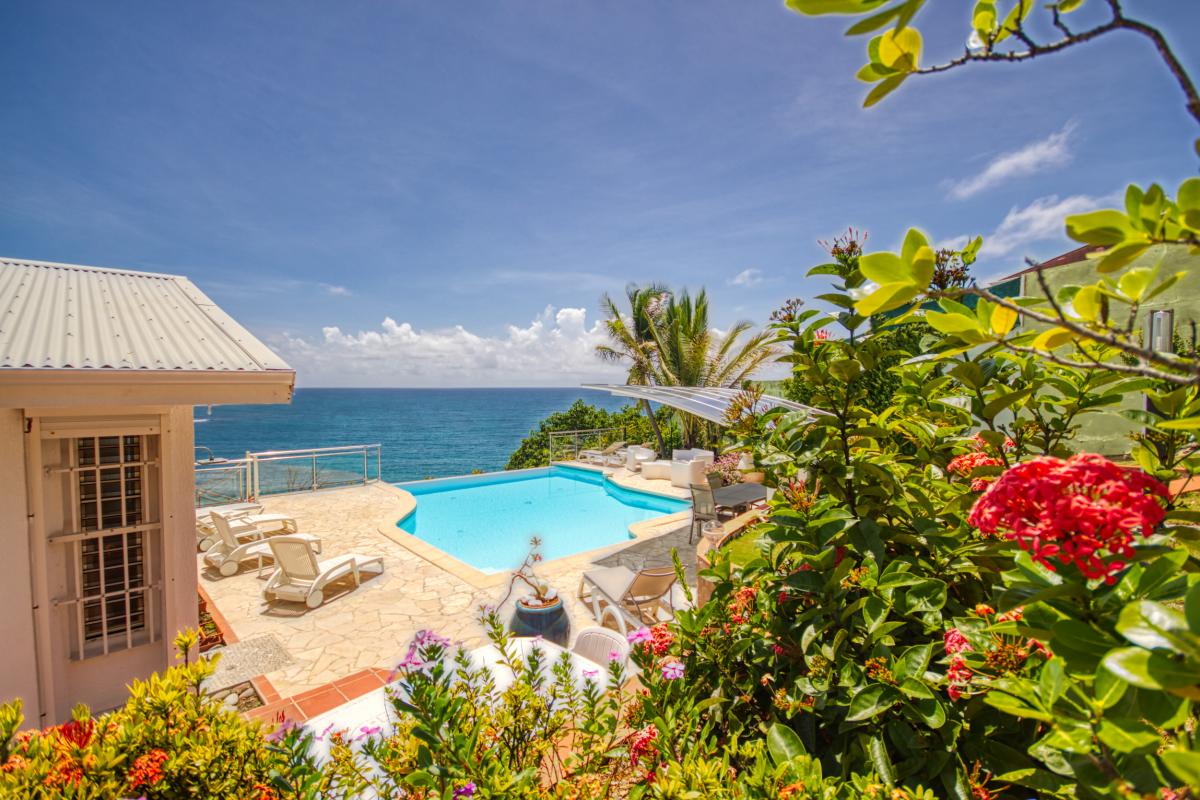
(114,538)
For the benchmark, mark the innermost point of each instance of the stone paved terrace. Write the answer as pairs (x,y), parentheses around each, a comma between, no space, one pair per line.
(367,630)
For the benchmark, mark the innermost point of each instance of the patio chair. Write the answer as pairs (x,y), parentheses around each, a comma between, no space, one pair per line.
(245,526)
(704,509)
(600,456)
(596,644)
(228,552)
(621,598)
(299,577)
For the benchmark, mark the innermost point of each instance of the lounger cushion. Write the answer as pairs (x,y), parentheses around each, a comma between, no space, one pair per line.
(612,582)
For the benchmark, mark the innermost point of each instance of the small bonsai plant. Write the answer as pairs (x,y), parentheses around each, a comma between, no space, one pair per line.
(543,594)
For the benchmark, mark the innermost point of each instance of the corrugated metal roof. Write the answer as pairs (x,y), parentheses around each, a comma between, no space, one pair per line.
(65,316)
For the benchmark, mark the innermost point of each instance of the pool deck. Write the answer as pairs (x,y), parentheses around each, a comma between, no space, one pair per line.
(359,634)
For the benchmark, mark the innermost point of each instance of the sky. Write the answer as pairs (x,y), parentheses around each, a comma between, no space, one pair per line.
(434,194)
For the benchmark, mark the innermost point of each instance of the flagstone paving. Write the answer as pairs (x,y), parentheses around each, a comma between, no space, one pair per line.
(369,627)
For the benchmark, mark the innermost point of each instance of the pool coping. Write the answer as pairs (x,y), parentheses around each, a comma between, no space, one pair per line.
(641,531)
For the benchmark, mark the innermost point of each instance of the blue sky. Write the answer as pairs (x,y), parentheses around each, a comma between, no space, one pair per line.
(413,194)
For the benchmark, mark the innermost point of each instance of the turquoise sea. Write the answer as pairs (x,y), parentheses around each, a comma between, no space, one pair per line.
(424,432)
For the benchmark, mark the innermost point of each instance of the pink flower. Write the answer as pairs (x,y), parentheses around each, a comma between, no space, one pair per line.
(640,635)
(672,670)
(955,642)
(614,655)
(590,673)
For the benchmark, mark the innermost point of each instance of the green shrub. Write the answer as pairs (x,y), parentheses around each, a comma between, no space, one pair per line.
(534,450)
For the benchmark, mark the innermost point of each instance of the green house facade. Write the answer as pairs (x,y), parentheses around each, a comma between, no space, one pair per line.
(1167,319)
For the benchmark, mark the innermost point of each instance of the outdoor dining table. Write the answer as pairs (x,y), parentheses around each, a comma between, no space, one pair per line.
(739,494)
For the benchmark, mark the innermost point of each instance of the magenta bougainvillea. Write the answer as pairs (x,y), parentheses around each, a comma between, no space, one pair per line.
(1082,511)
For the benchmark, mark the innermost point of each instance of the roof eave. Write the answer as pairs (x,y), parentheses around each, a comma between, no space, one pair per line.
(43,387)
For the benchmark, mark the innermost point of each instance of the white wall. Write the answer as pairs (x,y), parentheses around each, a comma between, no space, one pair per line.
(18,662)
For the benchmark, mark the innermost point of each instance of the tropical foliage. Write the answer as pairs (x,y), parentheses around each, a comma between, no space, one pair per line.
(630,424)
(947,600)
(666,339)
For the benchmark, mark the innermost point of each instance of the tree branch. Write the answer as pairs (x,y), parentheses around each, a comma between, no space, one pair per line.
(1170,361)
(1069,39)
(1129,369)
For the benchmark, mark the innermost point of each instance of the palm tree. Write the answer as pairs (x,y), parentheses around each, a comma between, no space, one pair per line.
(667,341)
(631,339)
(688,352)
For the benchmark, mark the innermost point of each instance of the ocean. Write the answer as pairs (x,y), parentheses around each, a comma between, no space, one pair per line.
(423,432)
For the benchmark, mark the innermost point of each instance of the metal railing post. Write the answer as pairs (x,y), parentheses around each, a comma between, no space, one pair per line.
(364,464)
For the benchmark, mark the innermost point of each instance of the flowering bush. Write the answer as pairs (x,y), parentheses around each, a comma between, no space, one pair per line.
(726,468)
(168,741)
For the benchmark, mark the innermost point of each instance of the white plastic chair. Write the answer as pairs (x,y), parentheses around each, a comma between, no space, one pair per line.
(299,577)
(597,643)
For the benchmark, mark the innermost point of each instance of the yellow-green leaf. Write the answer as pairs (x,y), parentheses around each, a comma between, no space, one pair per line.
(1120,256)
(1003,320)
(1052,338)
(923,264)
(817,7)
(885,268)
(1133,284)
(885,87)
(983,19)
(1106,227)
(951,323)
(1087,303)
(886,297)
(900,49)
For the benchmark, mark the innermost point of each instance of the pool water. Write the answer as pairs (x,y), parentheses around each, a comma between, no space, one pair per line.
(488,520)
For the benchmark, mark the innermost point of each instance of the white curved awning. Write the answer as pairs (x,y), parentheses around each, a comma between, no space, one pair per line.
(707,403)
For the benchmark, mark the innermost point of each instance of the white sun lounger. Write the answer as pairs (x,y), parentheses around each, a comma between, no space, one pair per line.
(601,456)
(228,552)
(299,577)
(245,527)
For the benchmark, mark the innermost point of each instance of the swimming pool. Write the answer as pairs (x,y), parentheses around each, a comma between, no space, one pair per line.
(488,520)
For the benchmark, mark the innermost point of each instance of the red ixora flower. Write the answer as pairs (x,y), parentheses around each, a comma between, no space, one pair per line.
(147,769)
(1076,511)
(966,464)
(77,732)
(640,742)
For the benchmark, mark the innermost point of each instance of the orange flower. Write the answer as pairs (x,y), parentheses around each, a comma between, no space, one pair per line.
(147,769)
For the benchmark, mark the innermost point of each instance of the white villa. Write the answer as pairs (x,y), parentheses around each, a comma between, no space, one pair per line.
(99,372)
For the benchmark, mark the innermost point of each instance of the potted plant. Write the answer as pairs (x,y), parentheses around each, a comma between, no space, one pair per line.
(540,612)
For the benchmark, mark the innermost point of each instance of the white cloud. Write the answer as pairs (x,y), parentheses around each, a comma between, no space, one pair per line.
(1040,221)
(556,349)
(340,291)
(747,278)
(1053,151)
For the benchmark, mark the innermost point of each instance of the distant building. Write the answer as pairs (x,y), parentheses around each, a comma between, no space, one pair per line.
(99,373)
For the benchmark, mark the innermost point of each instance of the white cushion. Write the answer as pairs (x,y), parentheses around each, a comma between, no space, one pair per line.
(695,454)
(685,473)
(656,470)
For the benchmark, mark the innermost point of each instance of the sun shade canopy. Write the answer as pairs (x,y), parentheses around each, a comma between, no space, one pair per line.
(706,403)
